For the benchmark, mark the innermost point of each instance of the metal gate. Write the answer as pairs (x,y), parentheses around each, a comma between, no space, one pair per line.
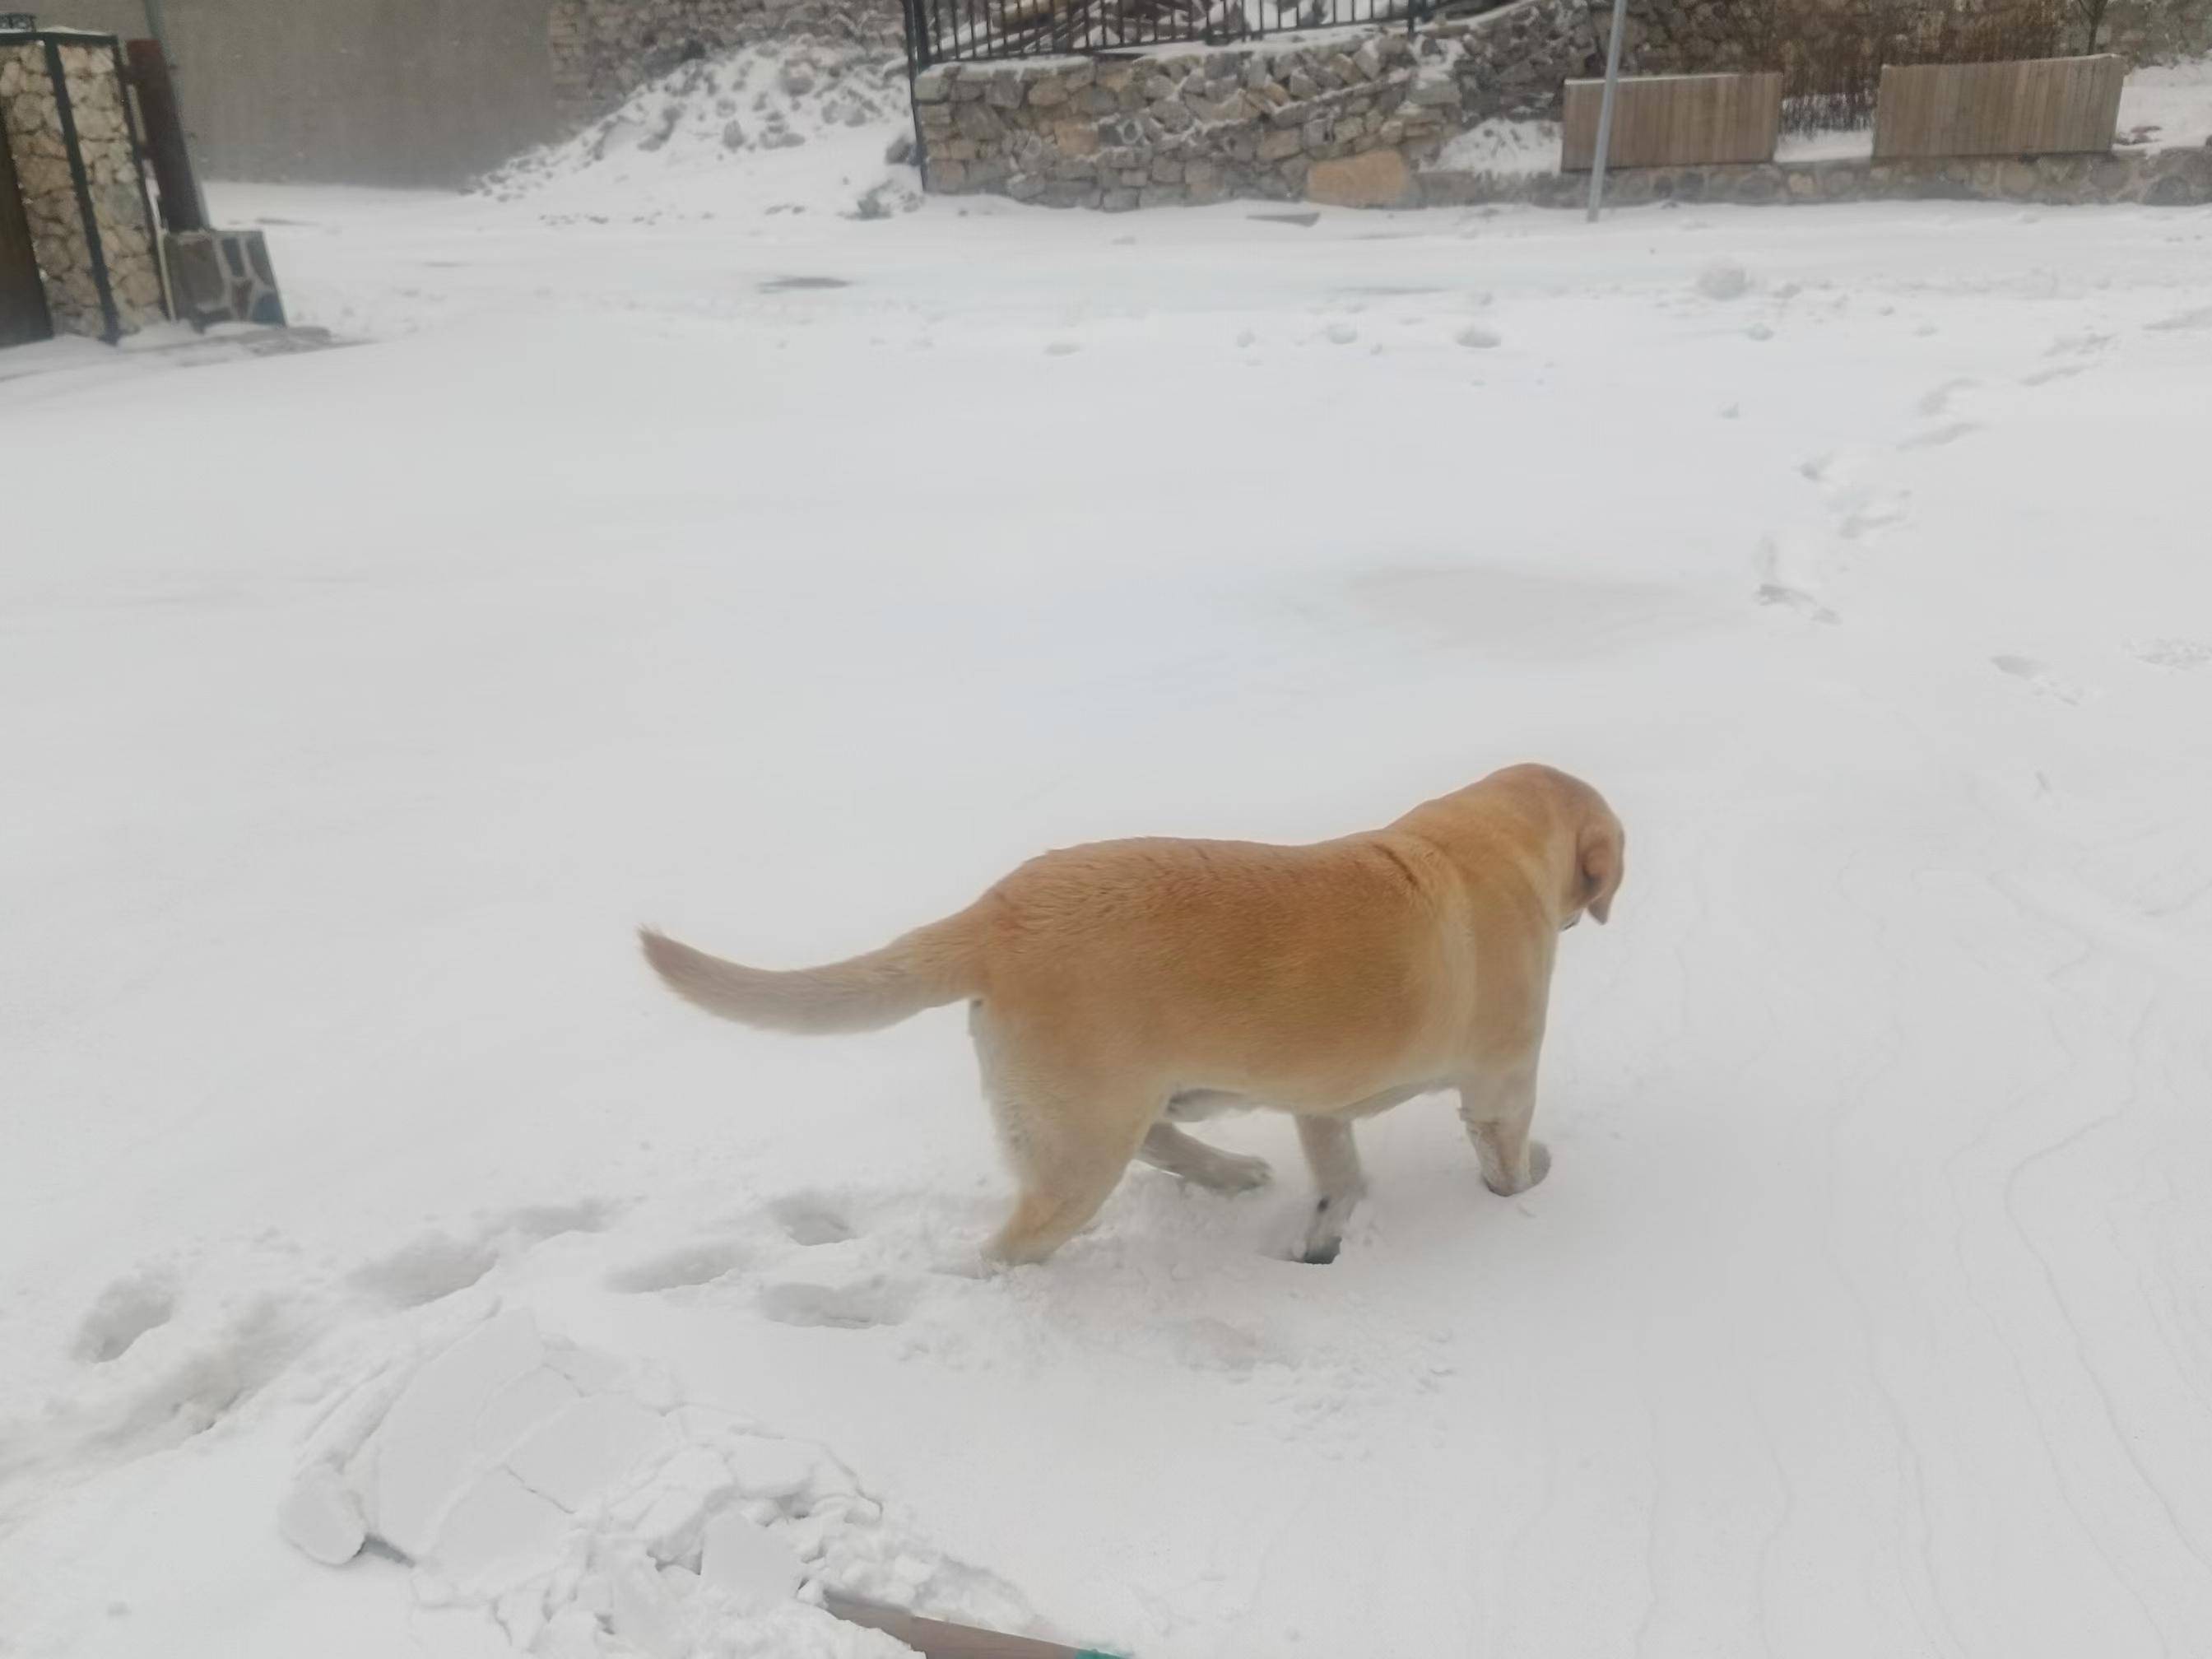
(22,296)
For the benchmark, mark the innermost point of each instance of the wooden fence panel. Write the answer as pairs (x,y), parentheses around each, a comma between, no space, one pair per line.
(2052,106)
(1675,120)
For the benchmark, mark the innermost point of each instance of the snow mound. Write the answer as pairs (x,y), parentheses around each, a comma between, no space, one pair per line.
(743,105)
(593,1514)
(1723,279)
(2168,105)
(1502,148)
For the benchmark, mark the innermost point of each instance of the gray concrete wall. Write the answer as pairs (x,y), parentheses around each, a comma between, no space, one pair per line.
(361,92)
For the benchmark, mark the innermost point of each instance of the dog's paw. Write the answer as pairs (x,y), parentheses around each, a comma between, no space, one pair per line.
(1243,1175)
(1539,1166)
(1324,1237)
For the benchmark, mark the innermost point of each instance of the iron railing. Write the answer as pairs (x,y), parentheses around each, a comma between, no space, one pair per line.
(974,31)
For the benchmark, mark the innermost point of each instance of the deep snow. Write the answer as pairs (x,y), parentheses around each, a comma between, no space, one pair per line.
(676,548)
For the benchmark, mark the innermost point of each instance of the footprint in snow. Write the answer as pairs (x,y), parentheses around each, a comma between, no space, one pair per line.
(680,1269)
(429,1267)
(1774,589)
(2038,678)
(1210,1344)
(1794,598)
(2200,318)
(854,1301)
(1863,511)
(2086,345)
(126,1310)
(809,1218)
(1937,437)
(1938,401)
(2171,653)
(538,1222)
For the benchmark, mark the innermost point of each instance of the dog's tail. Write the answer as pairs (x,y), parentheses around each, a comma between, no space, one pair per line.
(925,968)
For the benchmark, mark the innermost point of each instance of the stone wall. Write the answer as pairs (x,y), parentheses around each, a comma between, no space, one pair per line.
(2157,31)
(2169,178)
(32,117)
(1690,36)
(223,276)
(1342,116)
(1683,37)
(604,50)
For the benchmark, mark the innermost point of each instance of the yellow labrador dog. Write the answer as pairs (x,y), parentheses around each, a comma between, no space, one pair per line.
(1117,989)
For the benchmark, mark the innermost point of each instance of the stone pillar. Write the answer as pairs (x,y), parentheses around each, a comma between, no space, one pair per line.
(113,196)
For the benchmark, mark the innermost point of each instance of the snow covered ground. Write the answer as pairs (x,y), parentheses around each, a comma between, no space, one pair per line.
(684,550)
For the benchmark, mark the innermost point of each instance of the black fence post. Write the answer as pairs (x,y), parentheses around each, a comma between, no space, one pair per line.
(917,60)
(95,250)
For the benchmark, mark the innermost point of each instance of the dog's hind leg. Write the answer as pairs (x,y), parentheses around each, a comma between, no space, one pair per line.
(1169,1148)
(1334,1160)
(1069,1135)
(1068,1158)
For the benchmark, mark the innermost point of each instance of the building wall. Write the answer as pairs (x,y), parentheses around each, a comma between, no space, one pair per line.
(365,92)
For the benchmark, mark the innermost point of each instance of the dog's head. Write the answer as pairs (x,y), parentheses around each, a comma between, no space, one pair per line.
(1578,822)
(1600,861)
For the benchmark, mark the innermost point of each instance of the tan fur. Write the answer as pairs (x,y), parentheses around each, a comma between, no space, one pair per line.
(1118,985)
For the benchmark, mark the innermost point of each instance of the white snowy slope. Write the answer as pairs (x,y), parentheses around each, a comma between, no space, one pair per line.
(782,578)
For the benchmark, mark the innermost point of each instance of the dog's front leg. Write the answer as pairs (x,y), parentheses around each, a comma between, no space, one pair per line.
(1497,1111)
(1336,1162)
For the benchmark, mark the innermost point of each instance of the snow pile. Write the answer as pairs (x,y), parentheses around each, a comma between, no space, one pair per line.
(593,1514)
(1724,279)
(1824,144)
(846,105)
(2168,104)
(1502,147)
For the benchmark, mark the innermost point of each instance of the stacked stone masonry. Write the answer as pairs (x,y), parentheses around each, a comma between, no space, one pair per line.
(1667,36)
(2157,31)
(1280,120)
(604,50)
(31,119)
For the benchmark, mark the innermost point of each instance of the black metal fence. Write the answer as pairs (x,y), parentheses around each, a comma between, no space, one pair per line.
(970,31)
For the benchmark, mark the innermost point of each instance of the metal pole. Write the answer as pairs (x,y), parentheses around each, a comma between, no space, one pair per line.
(157,26)
(1605,107)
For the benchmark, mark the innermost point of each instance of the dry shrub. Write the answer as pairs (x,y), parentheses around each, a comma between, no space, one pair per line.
(1831,52)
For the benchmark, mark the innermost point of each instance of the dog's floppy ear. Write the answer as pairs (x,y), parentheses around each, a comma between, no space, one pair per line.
(1602,853)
